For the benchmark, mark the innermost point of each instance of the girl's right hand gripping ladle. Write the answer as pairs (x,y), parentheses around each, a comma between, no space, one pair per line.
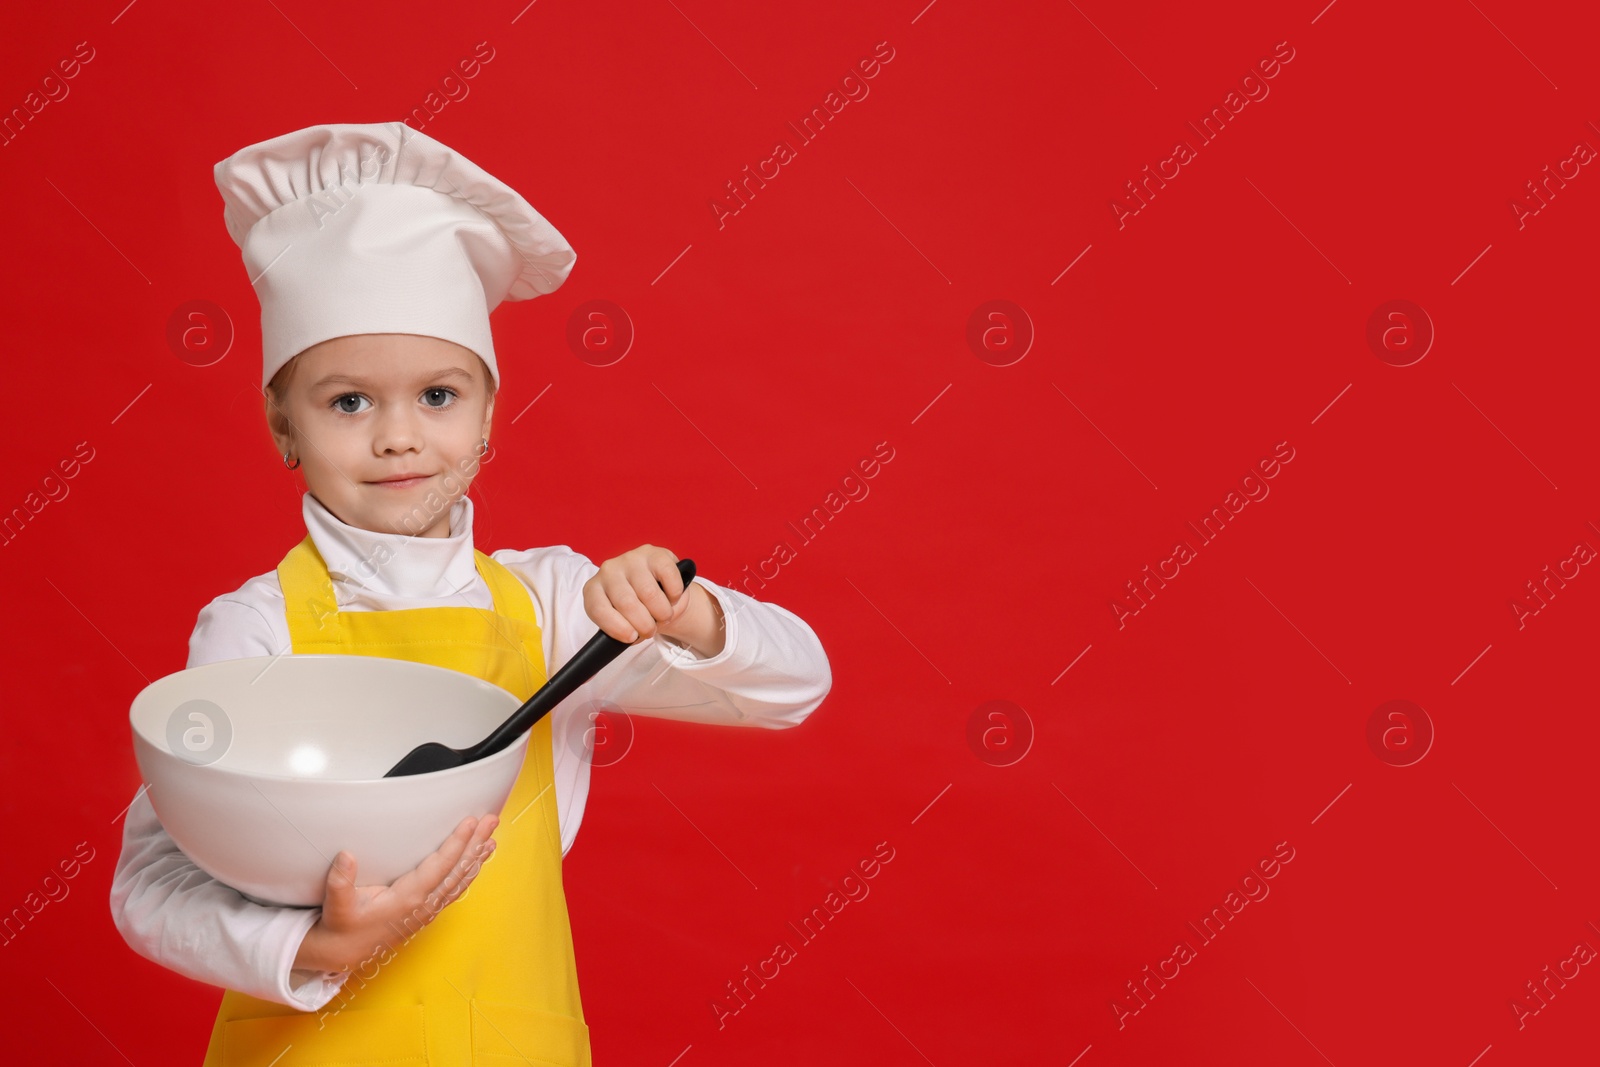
(601,650)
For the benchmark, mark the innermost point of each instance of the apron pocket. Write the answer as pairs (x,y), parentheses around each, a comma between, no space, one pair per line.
(513,1034)
(394,1037)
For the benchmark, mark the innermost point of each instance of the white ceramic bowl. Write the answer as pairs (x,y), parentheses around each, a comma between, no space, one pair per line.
(263,769)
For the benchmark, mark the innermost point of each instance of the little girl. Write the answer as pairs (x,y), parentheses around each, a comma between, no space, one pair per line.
(377,254)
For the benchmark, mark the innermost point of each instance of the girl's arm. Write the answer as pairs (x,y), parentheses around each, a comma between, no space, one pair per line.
(173,913)
(772,671)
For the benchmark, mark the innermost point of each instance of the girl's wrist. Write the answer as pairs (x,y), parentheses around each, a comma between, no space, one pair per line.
(312,955)
(701,629)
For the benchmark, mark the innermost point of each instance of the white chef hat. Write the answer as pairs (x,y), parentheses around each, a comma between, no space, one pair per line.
(377,228)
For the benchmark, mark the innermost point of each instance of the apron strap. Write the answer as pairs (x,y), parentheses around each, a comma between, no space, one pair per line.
(308,599)
(510,596)
(511,599)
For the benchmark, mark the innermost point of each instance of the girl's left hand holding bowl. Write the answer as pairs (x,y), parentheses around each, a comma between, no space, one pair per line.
(360,922)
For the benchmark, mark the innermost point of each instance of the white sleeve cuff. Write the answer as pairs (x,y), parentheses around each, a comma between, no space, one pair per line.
(303,988)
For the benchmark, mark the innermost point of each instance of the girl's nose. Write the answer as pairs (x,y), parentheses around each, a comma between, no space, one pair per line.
(396,432)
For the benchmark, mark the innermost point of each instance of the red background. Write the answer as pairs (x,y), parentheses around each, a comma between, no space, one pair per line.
(830,314)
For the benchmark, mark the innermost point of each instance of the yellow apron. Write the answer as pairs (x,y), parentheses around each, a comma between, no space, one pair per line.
(492,980)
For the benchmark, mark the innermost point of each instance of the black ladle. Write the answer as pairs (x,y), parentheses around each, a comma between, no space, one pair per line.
(601,650)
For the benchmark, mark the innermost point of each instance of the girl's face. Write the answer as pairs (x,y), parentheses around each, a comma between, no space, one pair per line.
(387,427)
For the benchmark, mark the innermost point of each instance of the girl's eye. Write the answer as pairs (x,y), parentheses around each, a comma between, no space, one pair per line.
(355,403)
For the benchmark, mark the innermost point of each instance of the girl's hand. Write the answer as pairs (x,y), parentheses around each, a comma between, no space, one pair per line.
(625,598)
(360,922)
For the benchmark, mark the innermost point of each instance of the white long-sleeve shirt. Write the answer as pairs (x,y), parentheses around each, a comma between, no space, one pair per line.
(772,672)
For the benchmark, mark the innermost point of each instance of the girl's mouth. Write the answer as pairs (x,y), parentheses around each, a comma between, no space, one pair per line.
(402,482)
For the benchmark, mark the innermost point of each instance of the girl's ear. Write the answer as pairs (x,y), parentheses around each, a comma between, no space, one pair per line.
(278,424)
(275,394)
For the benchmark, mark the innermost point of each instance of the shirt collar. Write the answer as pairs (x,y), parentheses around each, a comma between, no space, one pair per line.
(395,565)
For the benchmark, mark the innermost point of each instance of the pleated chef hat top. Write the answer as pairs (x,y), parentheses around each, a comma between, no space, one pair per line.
(377,228)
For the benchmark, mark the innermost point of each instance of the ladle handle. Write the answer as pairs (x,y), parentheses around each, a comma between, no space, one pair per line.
(601,649)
